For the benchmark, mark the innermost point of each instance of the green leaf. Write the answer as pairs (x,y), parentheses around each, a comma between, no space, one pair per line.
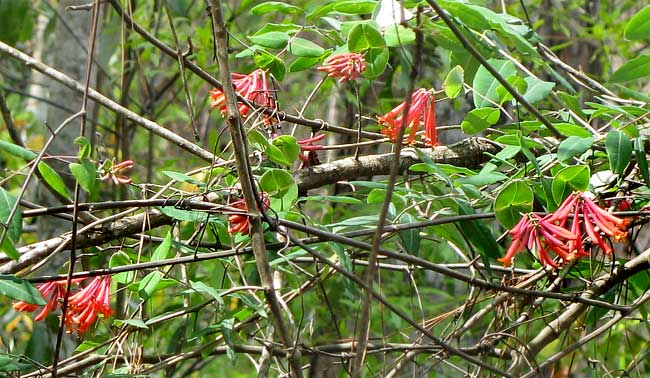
(569,180)
(303,63)
(411,237)
(201,287)
(149,284)
(573,146)
(472,16)
(86,175)
(53,179)
(482,179)
(281,188)
(137,323)
(272,40)
(537,89)
(453,84)
(306,48)
(355,6)
(638,28)
(515,82)
(227,329)
(619,150)
(10,363)
(265,60)
(258,140)
(85,149)
(364,36)
(477,120)
(569,129)
(181,177)
(485,85)
(634,69)
(15,226)
(8,248)
(272,7)
(18,151)
(478,234)
(20,290)
(162,251)
(121,258)
(16,21)
(397,35)
(513,200)
(376,62)
(338,199)
(641,160)
(194,216)
(286,150)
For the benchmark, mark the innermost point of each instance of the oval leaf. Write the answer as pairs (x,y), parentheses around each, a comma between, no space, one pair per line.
(53,179)
(303,47)
(15,225)
(512,201)
(573,146)
(281,187)
(619,150)
(364,36)
(275,7)
(20,290)
(569,180)
(634,69)
(638,28)
(272,40)
(478,120)
(485,85)
(453,84)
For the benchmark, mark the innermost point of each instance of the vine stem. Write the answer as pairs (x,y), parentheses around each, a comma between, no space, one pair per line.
(251,197)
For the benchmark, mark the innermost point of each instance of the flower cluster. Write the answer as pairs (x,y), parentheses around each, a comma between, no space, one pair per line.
(563,231)
(308,155)
(112,171)
(238,223)
(347,66)
(254,87)
(422,109)
(83,305)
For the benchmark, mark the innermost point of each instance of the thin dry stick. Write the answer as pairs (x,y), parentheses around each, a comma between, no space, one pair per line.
(248,186)
(371,271)
(104,101)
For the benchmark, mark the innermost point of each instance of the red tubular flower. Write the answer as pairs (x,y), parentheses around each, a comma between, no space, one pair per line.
(308,154)
(54,290)
(238,223)
(254,87)
(540,235)
(114,172)
(346,66)
(422,108)
(86,304)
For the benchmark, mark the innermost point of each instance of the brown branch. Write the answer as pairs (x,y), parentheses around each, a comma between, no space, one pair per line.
(470,153)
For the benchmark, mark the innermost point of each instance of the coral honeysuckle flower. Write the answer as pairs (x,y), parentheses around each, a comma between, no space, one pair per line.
(346,66)
(254,87)
(113,172)
(308,155)
(422,108)
(54,290)
(84,305)
(540,235)
(550,232)
(238,223)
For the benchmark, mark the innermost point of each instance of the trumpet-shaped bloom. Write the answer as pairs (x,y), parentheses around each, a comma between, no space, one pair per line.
(254,87)
(421,110)
(553,232)
(238,223)
(86,304)
(114,172)
(53,291)
(308,155)
(346,66)
(540,235)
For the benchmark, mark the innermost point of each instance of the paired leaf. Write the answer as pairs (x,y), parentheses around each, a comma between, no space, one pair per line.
(477,120)
(281,187)
(364,36)
(569,180)
(86,175)
(485,85)
(513,200)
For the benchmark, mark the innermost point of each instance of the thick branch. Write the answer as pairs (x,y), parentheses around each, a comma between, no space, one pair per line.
(468,153)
